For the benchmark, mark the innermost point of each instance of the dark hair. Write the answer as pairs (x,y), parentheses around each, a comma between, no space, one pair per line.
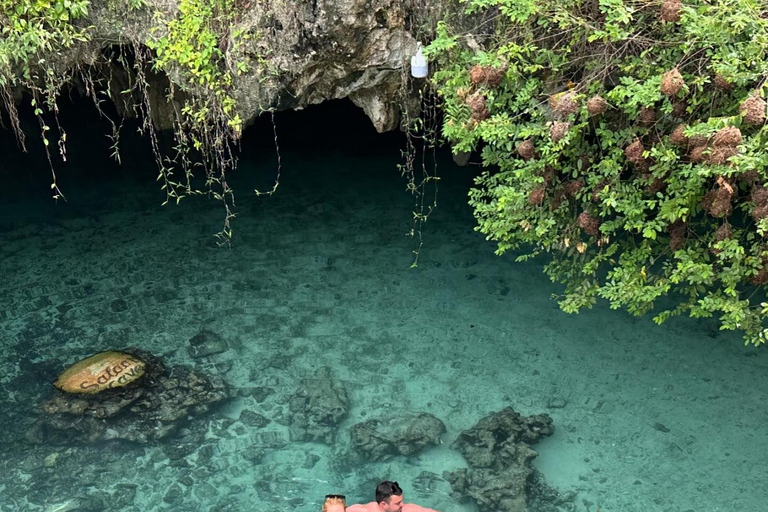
(386,490)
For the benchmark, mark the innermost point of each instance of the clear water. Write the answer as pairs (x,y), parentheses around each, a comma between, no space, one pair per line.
(319,277)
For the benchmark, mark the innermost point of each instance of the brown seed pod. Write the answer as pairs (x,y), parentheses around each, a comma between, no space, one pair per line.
(719,155)
(670,11)
(728,136)
(753,110)
(558,130)
(493,76)
(537,195)
(759,212)
(564,103)
(557,199)
(698,140)
(717,202)
(477,75)
(749,177)
(759,195)
(572,187)
(760,278)
(677,233)
(697,154)
(526,149)
(672,82)
(647,116)
(722,83)
(679,107)
(589,224)
(596,105)
(598,190)
(657,185)
(724,232)
(475,102)
(634,153)
(678,137)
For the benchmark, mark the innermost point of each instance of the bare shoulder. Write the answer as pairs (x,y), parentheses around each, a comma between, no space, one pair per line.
(368,507)
(410,507)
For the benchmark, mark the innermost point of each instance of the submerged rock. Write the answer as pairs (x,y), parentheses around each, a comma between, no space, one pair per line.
(317,408)
(152,410)
(382,439)
(206,343)
(499,455)
(105,370)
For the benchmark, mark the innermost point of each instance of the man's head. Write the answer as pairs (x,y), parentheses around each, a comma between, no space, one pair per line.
(389,497)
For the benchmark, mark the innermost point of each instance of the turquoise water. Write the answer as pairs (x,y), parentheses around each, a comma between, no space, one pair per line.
(646,418)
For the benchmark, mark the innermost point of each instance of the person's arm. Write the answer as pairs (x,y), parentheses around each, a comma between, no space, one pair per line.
(410,507)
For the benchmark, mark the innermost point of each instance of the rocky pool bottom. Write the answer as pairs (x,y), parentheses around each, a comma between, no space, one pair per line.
(315,304)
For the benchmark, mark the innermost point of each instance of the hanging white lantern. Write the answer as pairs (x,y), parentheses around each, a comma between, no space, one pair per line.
(419,66)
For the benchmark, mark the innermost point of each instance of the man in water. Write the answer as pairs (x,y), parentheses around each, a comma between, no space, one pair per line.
(389,498)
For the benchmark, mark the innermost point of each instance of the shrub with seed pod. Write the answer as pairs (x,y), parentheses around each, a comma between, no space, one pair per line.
(557,198)
(724,232)
(717,202)
(670,11)
(537,195)
(753,110)
(558,130)
(697,154)
(564,103)
(598,190)
(760,278)
(477,75)
(596,105)
(634,153)
(677,232)
(678,137)
(672,82)
(656,186)
(728,136)
(722,83)
(589,224)
(647,115)
(526,149)
(720,155)
(749,177)
(759,196)
(476,103)
(679,107)
(698,140)
(572,187)
(493,76)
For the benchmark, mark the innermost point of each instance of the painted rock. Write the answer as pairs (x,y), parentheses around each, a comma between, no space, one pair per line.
(102,371)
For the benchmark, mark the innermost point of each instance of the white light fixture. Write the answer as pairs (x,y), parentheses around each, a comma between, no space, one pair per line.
(419,66)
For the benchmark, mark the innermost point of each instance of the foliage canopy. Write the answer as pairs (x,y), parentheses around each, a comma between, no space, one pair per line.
(626,139)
